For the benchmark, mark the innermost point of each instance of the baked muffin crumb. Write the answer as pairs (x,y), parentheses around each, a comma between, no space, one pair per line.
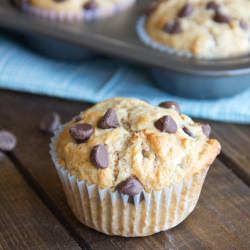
(202,28)
(132,144)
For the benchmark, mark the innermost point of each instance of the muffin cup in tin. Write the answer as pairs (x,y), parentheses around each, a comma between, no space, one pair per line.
(146,39)
(87,15)
(57,49)
(113,213)
(197,84)
(200,86)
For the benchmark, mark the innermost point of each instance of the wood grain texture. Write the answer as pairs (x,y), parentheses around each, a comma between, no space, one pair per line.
(25,222)
(235,140)
(220,221)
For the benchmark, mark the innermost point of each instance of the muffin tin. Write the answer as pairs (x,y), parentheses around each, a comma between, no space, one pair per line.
(116,36)
(56,49)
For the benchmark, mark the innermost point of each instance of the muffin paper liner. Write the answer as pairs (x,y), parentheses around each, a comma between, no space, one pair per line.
(112,213)
(146,39)
(87,15)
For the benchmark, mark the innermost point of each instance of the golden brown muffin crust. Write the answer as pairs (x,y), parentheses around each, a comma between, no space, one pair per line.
(137,147)
(202,30)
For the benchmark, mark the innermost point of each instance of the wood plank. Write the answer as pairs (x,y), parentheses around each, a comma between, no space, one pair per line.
(25,223)
(235,140)
(23,121)
(216,223)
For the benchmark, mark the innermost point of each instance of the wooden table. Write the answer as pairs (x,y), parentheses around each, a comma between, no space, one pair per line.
(34,213)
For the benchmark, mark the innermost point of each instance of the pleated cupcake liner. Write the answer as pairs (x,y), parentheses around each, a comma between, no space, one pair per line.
(113,213)
(87,15)
(147,40)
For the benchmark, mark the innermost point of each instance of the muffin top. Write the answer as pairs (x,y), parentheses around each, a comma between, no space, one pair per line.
(203,28)
(72,5)
(129,145)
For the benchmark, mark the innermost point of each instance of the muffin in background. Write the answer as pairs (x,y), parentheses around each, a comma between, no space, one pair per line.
(72,10)
(132,169)
(200,28)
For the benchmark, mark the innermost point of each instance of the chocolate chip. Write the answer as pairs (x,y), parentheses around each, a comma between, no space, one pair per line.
(186,11)
(90,5)
(50,123)
(206,129)
(7,141)
(77,118)
(81,132)
(109,120)
(221,18)
(212,6)
(173,27)
(171,105)
(166,124)
(243,25)
(99,156)
(187,131)
(131,186)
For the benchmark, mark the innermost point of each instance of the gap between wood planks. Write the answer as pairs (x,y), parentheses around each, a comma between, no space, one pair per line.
(231,164)
(36,187)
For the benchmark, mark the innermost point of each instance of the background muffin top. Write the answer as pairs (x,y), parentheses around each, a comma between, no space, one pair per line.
(122,138)
(72,5)
(204,28)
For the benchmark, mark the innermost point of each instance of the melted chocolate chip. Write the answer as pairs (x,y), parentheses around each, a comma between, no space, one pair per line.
(206,129)
(166,124)
(171,105)
(50,123)
(186,11)
(173,27)
(187,131)
(131,186)
(7,141)
(99,156)
(212,6)
(243,25)
(81,132)
(109,120)
(145,153)
(90,5)
(221,18)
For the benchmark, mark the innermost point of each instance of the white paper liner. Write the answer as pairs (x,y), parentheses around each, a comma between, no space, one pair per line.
(145,38)
(88,15)
(110,212)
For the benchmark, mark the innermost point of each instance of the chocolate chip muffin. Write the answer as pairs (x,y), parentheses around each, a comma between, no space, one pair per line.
(201,28)
(132,169)
(73,9)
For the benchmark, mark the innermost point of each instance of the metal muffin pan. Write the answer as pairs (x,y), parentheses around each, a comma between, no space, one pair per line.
(57,49)
(116,36)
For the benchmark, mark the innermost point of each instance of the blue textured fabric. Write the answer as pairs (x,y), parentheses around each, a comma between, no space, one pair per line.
(100,78)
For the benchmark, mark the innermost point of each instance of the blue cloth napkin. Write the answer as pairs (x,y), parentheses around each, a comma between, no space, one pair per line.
(99,78)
